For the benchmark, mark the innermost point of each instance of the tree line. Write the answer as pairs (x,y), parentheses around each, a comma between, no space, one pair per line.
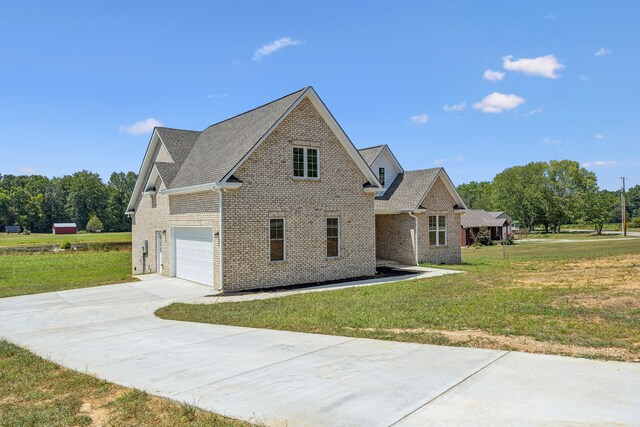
(35,202)
(551,194)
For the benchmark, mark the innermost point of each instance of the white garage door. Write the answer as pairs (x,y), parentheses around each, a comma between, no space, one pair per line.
(194,254)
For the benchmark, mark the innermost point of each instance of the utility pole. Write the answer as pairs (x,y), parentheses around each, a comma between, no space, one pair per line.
(623,203)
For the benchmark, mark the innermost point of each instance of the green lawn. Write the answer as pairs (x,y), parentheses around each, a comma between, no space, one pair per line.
(568,235)
(579,299)
(46,272)
(38,239)
(36,392)
(607,227)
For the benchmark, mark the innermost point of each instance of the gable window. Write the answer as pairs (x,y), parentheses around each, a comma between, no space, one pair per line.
(333,237)
(276,239)
(381,176)
(437,230)
(305,162)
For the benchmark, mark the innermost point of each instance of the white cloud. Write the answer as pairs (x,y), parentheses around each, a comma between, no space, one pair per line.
(458,159)
(455,107)
(549,140)
(549,17)
(603,51)
(26,170)
(494,76)
(544,66)
(599,135)
(273,47)
(600,163)
(584,77)
(439,161)
(420,119)
(498,102)
(141,127)
(534,111)
(217,95)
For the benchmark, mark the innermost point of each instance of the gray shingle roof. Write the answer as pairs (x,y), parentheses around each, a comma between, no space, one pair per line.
(407,190)
(220,147)
(479,218)
(369,154)
(179,142)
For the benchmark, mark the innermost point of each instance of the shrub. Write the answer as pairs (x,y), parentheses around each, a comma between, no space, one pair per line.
(482,237)
(26,232)
(94,225)
(65,245)
(508,239)
(635,222)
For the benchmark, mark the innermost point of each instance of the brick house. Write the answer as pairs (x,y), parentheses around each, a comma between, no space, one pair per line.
(498,225)
(277,196)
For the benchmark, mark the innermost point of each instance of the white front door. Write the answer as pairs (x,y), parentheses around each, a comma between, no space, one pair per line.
(158,251)
(194,254)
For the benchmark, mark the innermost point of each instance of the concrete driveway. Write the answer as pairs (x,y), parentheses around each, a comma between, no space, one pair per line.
(287,378)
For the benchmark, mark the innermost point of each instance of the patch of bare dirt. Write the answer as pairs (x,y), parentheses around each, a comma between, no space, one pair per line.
(482,339)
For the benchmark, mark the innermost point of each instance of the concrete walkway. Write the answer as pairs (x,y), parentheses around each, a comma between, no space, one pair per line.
(411,272)
(288,378)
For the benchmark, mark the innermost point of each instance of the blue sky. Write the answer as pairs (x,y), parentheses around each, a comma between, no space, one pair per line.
(81,83)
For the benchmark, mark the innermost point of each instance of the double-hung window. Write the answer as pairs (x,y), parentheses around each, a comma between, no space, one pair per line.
(276,239)
(381,176)
(333,237)
(437,230)
(305,162)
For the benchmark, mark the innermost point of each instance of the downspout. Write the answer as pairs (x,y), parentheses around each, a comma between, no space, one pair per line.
(417,234)
(221,273)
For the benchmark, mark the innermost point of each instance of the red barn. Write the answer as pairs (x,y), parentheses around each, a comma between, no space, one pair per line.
(65,228)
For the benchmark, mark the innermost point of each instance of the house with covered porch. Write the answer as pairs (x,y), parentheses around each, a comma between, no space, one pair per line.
(280,196)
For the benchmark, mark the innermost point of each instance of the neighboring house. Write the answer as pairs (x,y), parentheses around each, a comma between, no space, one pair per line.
(64,228)
(498,224)
(417,213)
(272,197)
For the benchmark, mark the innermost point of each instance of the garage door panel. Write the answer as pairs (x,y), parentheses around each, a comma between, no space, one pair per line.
(194,254)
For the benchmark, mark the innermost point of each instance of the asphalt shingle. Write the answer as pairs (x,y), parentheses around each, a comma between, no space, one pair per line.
(407,190)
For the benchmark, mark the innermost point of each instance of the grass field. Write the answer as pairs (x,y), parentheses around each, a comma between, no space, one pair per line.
(568,235)
(39,239)
(607,227)
(580,299)
(46,272)
(36,392)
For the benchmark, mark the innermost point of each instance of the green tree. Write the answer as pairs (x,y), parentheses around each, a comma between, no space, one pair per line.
(477,194)
(596,208)
(120,188)
(566,179)
(94,225)
(87,194)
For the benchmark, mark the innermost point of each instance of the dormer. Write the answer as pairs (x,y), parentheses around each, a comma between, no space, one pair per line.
(383,164)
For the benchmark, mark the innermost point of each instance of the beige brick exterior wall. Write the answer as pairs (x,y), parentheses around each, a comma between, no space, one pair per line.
(270,191)
(439,202)
(395,234)
(161,213)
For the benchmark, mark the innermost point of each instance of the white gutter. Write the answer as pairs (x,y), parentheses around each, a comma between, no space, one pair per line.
(221,273)
(214,186)
(417,234)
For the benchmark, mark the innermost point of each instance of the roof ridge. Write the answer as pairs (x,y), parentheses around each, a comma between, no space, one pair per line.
(256,108)
(181,130)
(369,148)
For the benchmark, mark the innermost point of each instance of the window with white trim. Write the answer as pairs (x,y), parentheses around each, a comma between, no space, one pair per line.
(333,237)
(276,239)
(437,230)
(381,176)
(306,162)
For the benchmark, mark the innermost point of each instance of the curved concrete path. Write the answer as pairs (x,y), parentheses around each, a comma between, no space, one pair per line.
(288,378)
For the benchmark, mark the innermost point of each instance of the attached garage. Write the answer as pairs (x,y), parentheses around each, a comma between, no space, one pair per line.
(193,254)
